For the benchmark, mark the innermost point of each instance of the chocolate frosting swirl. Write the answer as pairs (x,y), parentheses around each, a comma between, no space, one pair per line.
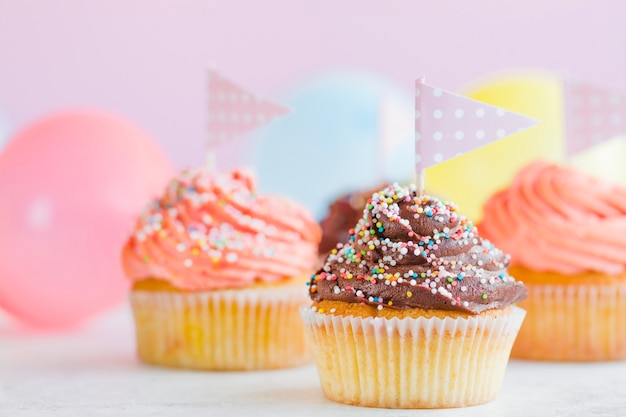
(412,251)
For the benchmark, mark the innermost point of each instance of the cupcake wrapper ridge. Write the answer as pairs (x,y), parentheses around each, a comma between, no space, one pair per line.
(573,323)
(411,362)
(242,329)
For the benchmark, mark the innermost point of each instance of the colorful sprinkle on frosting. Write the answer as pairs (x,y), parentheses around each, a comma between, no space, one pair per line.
(212,231)
(416,251)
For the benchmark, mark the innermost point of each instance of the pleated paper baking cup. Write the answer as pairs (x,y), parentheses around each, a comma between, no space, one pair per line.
(573,323)
(243,329)
(412,362)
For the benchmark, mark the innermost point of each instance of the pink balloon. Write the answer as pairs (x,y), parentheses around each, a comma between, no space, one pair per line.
(71,186)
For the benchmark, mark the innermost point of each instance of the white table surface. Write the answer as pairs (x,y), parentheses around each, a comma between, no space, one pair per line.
(93,371)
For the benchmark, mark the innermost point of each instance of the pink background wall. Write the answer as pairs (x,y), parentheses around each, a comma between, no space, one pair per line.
(144,59)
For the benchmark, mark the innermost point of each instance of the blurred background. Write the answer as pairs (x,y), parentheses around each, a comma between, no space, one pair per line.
(146,59)
(346,68)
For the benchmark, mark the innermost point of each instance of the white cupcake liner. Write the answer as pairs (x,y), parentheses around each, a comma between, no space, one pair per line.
(411,362)
(573,323)
(242,329)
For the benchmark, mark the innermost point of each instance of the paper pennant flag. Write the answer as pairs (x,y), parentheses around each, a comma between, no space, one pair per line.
(234,111)
(592,115)
(448,125)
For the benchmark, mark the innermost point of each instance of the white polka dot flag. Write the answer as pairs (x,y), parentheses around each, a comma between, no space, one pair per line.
(592,115)
(234,111)
(448,125)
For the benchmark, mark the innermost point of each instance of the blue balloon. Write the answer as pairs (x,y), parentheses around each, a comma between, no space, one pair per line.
(331,143)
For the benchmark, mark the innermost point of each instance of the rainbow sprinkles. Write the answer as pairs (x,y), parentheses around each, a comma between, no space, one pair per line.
(421,248)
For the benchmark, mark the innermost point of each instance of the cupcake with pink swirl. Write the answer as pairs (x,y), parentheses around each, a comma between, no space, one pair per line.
(566,233)
(218,274)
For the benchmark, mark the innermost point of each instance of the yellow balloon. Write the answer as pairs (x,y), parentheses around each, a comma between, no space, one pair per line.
(469,180)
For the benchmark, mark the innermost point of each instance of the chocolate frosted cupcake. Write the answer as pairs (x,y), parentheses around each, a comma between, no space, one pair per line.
(414,310)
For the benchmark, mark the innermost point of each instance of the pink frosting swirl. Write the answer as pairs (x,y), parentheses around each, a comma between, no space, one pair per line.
(212,231)
(555,218)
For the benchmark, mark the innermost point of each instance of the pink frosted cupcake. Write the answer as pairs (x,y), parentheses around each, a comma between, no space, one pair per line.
(218,274)
(566,233)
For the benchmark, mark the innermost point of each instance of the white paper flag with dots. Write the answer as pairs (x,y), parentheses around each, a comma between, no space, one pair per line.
(234,111)
(592,115)
(448,125)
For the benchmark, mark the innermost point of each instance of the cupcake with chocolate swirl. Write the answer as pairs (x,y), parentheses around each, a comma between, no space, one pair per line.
(415,310)
(566,233)
(218,274)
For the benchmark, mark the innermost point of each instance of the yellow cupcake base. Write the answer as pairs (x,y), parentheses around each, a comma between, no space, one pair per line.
(239,329)
(572,318)
(423,362)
